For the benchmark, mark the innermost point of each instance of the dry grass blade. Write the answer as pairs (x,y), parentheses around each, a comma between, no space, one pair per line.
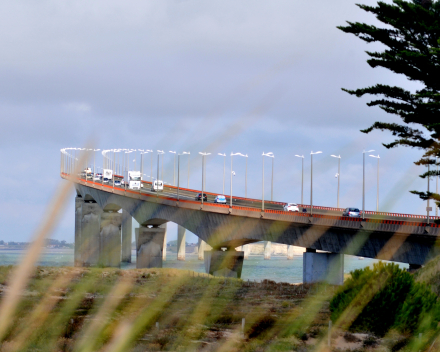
(42,311)
(26,267)
(114,297)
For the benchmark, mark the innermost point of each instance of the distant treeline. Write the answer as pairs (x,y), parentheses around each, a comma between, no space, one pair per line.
(48,243)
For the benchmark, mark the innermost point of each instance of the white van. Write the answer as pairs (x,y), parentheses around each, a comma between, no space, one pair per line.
(157,186)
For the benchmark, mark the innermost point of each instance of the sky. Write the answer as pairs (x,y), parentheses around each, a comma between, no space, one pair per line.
(199,76)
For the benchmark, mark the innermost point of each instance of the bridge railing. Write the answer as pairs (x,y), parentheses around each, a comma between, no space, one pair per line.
(103,186)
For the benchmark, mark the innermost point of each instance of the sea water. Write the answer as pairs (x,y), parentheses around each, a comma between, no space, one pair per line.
(256,268)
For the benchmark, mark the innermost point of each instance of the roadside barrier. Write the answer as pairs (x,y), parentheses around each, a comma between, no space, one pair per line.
(100,186)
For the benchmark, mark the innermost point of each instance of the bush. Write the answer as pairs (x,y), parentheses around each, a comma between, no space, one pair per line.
(384,297)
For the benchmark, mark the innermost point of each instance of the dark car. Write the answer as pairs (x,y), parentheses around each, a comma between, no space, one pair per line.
(354,212)
(199,197)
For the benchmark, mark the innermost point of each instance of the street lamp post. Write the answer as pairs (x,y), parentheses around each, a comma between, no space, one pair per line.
(128,169)
(224,169)
(427,208)
(436,187)
(245,178)
(115,164)
(363,182)
(187,153)
(161,152)
(311,180)
(271,186)
(142,163)
(103,165)
(377,195)
(232,174)
(203,173)
(339,174)
(174,168)
(302,177)
(94,171)
(178,175)
(270,155)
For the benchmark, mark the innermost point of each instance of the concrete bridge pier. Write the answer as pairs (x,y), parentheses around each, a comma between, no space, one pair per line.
(110,239)
(328,267)
(164,252)
(290,252)
(181,242)
(227,263)
(149,247)
(267,250)
(127,232)
(201,249)
(246,249)
(89,233)
(79,201)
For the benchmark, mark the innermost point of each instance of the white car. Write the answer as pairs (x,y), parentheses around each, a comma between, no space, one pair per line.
(157,186)
(117,183)
(291,207)
(220,199)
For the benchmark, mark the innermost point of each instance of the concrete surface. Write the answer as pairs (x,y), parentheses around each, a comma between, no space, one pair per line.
(224,263)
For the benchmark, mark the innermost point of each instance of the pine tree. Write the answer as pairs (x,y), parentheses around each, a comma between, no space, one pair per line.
(412,41)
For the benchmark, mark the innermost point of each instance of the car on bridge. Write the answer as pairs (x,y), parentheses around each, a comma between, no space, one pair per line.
(157,186)
(352,212)
(220,199)
(199,197)
(291,207)
(117,183)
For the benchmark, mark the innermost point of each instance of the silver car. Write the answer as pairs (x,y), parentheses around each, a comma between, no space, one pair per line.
(352,212)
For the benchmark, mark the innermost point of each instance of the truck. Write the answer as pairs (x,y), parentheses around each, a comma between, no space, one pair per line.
(134,180)
(107,174)
(87,173)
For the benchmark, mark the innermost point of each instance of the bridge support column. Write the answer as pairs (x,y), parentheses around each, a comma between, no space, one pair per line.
(224,263)
(246,249)
(328,267)
(181,242)
(90,234)
(110,239)
(149,247)
(290,251)
(126,236)
(201,249)
(164,251)
(267,250)
(78,217)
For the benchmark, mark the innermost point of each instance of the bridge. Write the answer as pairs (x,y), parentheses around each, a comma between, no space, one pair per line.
(103,234)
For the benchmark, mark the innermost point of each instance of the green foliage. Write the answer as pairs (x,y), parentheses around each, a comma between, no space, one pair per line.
(390,299)
(412,48)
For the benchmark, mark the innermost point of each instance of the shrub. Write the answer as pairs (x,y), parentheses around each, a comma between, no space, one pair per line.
(384,297)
